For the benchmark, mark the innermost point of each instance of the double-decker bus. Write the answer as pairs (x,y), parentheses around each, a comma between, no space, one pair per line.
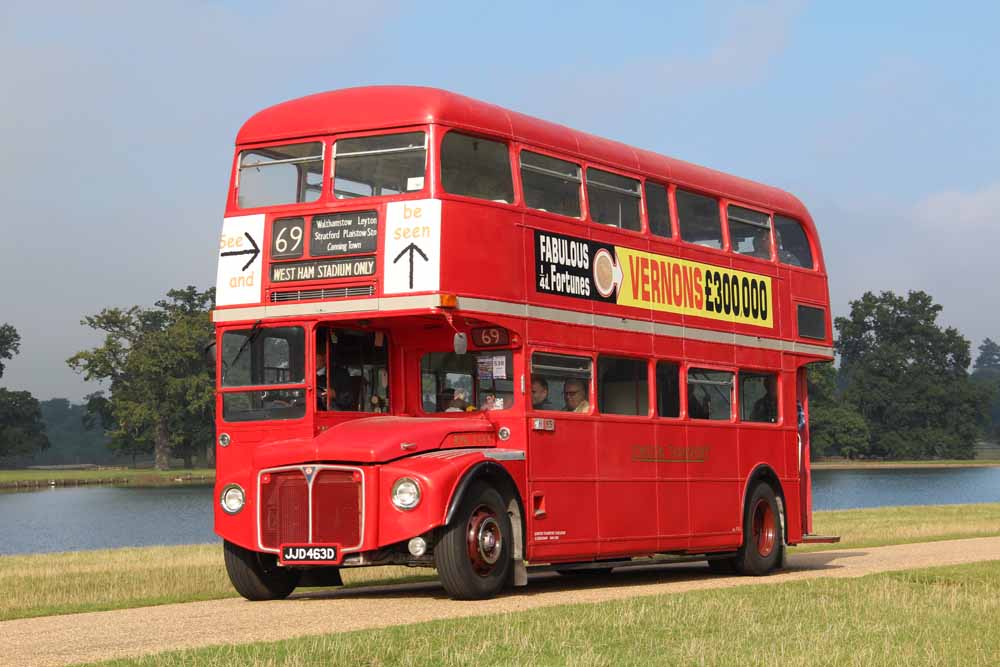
(453,335)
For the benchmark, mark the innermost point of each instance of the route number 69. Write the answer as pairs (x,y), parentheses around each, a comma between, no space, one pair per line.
(286,238)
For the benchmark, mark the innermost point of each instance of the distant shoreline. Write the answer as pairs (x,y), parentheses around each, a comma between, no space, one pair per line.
(39,479)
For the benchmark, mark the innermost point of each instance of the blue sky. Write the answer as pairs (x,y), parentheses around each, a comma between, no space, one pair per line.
(118,120)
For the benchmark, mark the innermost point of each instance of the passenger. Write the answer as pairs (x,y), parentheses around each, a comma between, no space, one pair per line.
(540,394)
(444,399)
(765,409)
(321,388)
(575,395)
(342,394)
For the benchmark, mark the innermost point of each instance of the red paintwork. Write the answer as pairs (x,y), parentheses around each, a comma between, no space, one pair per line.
(584,495)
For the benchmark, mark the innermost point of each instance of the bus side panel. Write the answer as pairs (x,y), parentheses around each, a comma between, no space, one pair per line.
(626,487)
(716,487)
(672,502)
(562,503)
(487,264)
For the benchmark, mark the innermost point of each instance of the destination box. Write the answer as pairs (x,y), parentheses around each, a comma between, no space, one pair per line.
(323,269)
(343,233)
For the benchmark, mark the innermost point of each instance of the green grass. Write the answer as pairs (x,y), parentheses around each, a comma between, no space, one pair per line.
(143,477)
(939,616)
(66,583)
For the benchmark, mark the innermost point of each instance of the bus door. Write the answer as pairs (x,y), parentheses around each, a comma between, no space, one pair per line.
(712,459)
(562,463)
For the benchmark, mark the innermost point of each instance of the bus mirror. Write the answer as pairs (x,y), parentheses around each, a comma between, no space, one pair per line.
(461,343)
(209,353)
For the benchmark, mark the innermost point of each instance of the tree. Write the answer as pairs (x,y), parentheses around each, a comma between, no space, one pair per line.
(21,427)
(836,428)
(160,390)
(10,344)
(987,376)
(989,357)
(908,378)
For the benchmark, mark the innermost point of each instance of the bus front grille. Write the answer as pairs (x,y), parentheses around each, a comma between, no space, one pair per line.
(326,509)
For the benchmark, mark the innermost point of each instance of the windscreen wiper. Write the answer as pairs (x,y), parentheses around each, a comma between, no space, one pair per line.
(254,331)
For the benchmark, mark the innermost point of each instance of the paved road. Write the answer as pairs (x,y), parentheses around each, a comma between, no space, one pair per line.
(61,640)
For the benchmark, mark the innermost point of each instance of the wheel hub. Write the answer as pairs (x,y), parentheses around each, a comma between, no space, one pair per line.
(484,540)
(764,528)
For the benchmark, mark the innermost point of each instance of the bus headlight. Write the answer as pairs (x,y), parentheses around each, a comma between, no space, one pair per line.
(406,493)
(233,499)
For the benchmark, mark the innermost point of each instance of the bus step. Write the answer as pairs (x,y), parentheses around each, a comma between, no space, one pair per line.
(820,539)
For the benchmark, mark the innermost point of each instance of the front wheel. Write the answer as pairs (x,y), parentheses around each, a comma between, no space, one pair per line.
(762,539)
(473,555)
(256,576)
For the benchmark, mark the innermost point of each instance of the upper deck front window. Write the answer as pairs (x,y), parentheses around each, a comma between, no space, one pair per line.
(274,175)
(386,164)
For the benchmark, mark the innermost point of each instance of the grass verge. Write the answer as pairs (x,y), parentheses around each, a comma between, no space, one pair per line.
(934,616)
(65,583)
(131,476)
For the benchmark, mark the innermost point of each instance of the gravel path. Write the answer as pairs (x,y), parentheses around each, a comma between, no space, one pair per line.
(61,640)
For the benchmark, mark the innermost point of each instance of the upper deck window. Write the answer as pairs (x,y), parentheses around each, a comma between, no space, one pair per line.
(476,167)
(657,209)
(614,200)
(698,216)
(550,184)
(793,245)
(289,174)
(386,164)
(749,232)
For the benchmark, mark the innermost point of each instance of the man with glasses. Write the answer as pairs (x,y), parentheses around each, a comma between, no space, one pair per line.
(575,395)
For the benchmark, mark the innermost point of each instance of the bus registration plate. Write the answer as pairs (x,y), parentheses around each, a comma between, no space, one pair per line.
(309,554)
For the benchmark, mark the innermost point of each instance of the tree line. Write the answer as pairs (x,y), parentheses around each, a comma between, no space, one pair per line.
(902,389)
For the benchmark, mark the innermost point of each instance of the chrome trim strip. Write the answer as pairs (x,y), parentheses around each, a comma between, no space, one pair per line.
(316,470)
(504,454)
(522,310)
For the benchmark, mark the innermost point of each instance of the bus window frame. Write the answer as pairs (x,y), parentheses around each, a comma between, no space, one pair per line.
(671,223)
(650,390)
(733,407)
(429,159)
(529,354)
(278,210)
(779,394)
(643,230)
(772,258)
(681,389)
(676,219)
(813,244)
(562,157)
(439,190)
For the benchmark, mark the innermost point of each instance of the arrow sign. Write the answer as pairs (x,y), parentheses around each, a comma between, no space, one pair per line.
(410,249)
(256,251)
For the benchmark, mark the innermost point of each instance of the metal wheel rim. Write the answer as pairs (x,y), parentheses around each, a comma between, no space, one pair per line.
(764,528)
(484,540)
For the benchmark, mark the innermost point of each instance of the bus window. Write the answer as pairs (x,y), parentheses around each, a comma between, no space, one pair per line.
(614,200)
(562,376)
(710,394)
(749,232)
(793,246)
(274,175)
(476,167)
(668,390)
(467,382)
(550,184)
(260,357)
(356,379)
(386,164)
(657,210)
(622,386)
(759,397)
(698,216)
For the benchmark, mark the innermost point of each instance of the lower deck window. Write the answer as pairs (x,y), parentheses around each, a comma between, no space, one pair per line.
(352,370)
(622,386)
(468,382)
(560,382)
(710,394)
(758,397)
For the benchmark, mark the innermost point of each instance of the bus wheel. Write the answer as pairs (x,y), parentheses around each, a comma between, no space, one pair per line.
(473,555)
(256,576)
(762,543)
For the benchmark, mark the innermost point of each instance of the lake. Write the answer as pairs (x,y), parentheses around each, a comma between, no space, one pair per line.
(71,519)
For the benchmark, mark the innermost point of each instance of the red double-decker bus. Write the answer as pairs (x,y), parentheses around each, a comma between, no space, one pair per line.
(453,335)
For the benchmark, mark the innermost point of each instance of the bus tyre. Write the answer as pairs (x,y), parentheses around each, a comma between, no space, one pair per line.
(473,556)
(762,540)
(256,576)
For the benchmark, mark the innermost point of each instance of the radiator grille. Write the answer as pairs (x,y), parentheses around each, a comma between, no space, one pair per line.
(336,508)
(322,293)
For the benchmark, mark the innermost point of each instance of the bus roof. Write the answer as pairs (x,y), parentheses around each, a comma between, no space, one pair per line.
(382,107)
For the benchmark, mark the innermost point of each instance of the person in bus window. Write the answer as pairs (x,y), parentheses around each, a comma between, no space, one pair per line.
(540,394)
(575,395)
(343,397)
(320,378)
(765,409)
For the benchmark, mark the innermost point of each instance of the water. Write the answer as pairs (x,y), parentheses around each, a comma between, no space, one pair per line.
(71,519)
(92,517)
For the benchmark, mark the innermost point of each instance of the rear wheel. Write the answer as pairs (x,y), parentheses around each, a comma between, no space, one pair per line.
(256,576)
(762,540)
(473,555)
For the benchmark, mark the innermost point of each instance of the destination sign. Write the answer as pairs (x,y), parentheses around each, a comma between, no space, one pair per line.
(343,233)
(323,269)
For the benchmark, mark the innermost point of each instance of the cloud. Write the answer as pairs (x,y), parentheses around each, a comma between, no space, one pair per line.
(962,211)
